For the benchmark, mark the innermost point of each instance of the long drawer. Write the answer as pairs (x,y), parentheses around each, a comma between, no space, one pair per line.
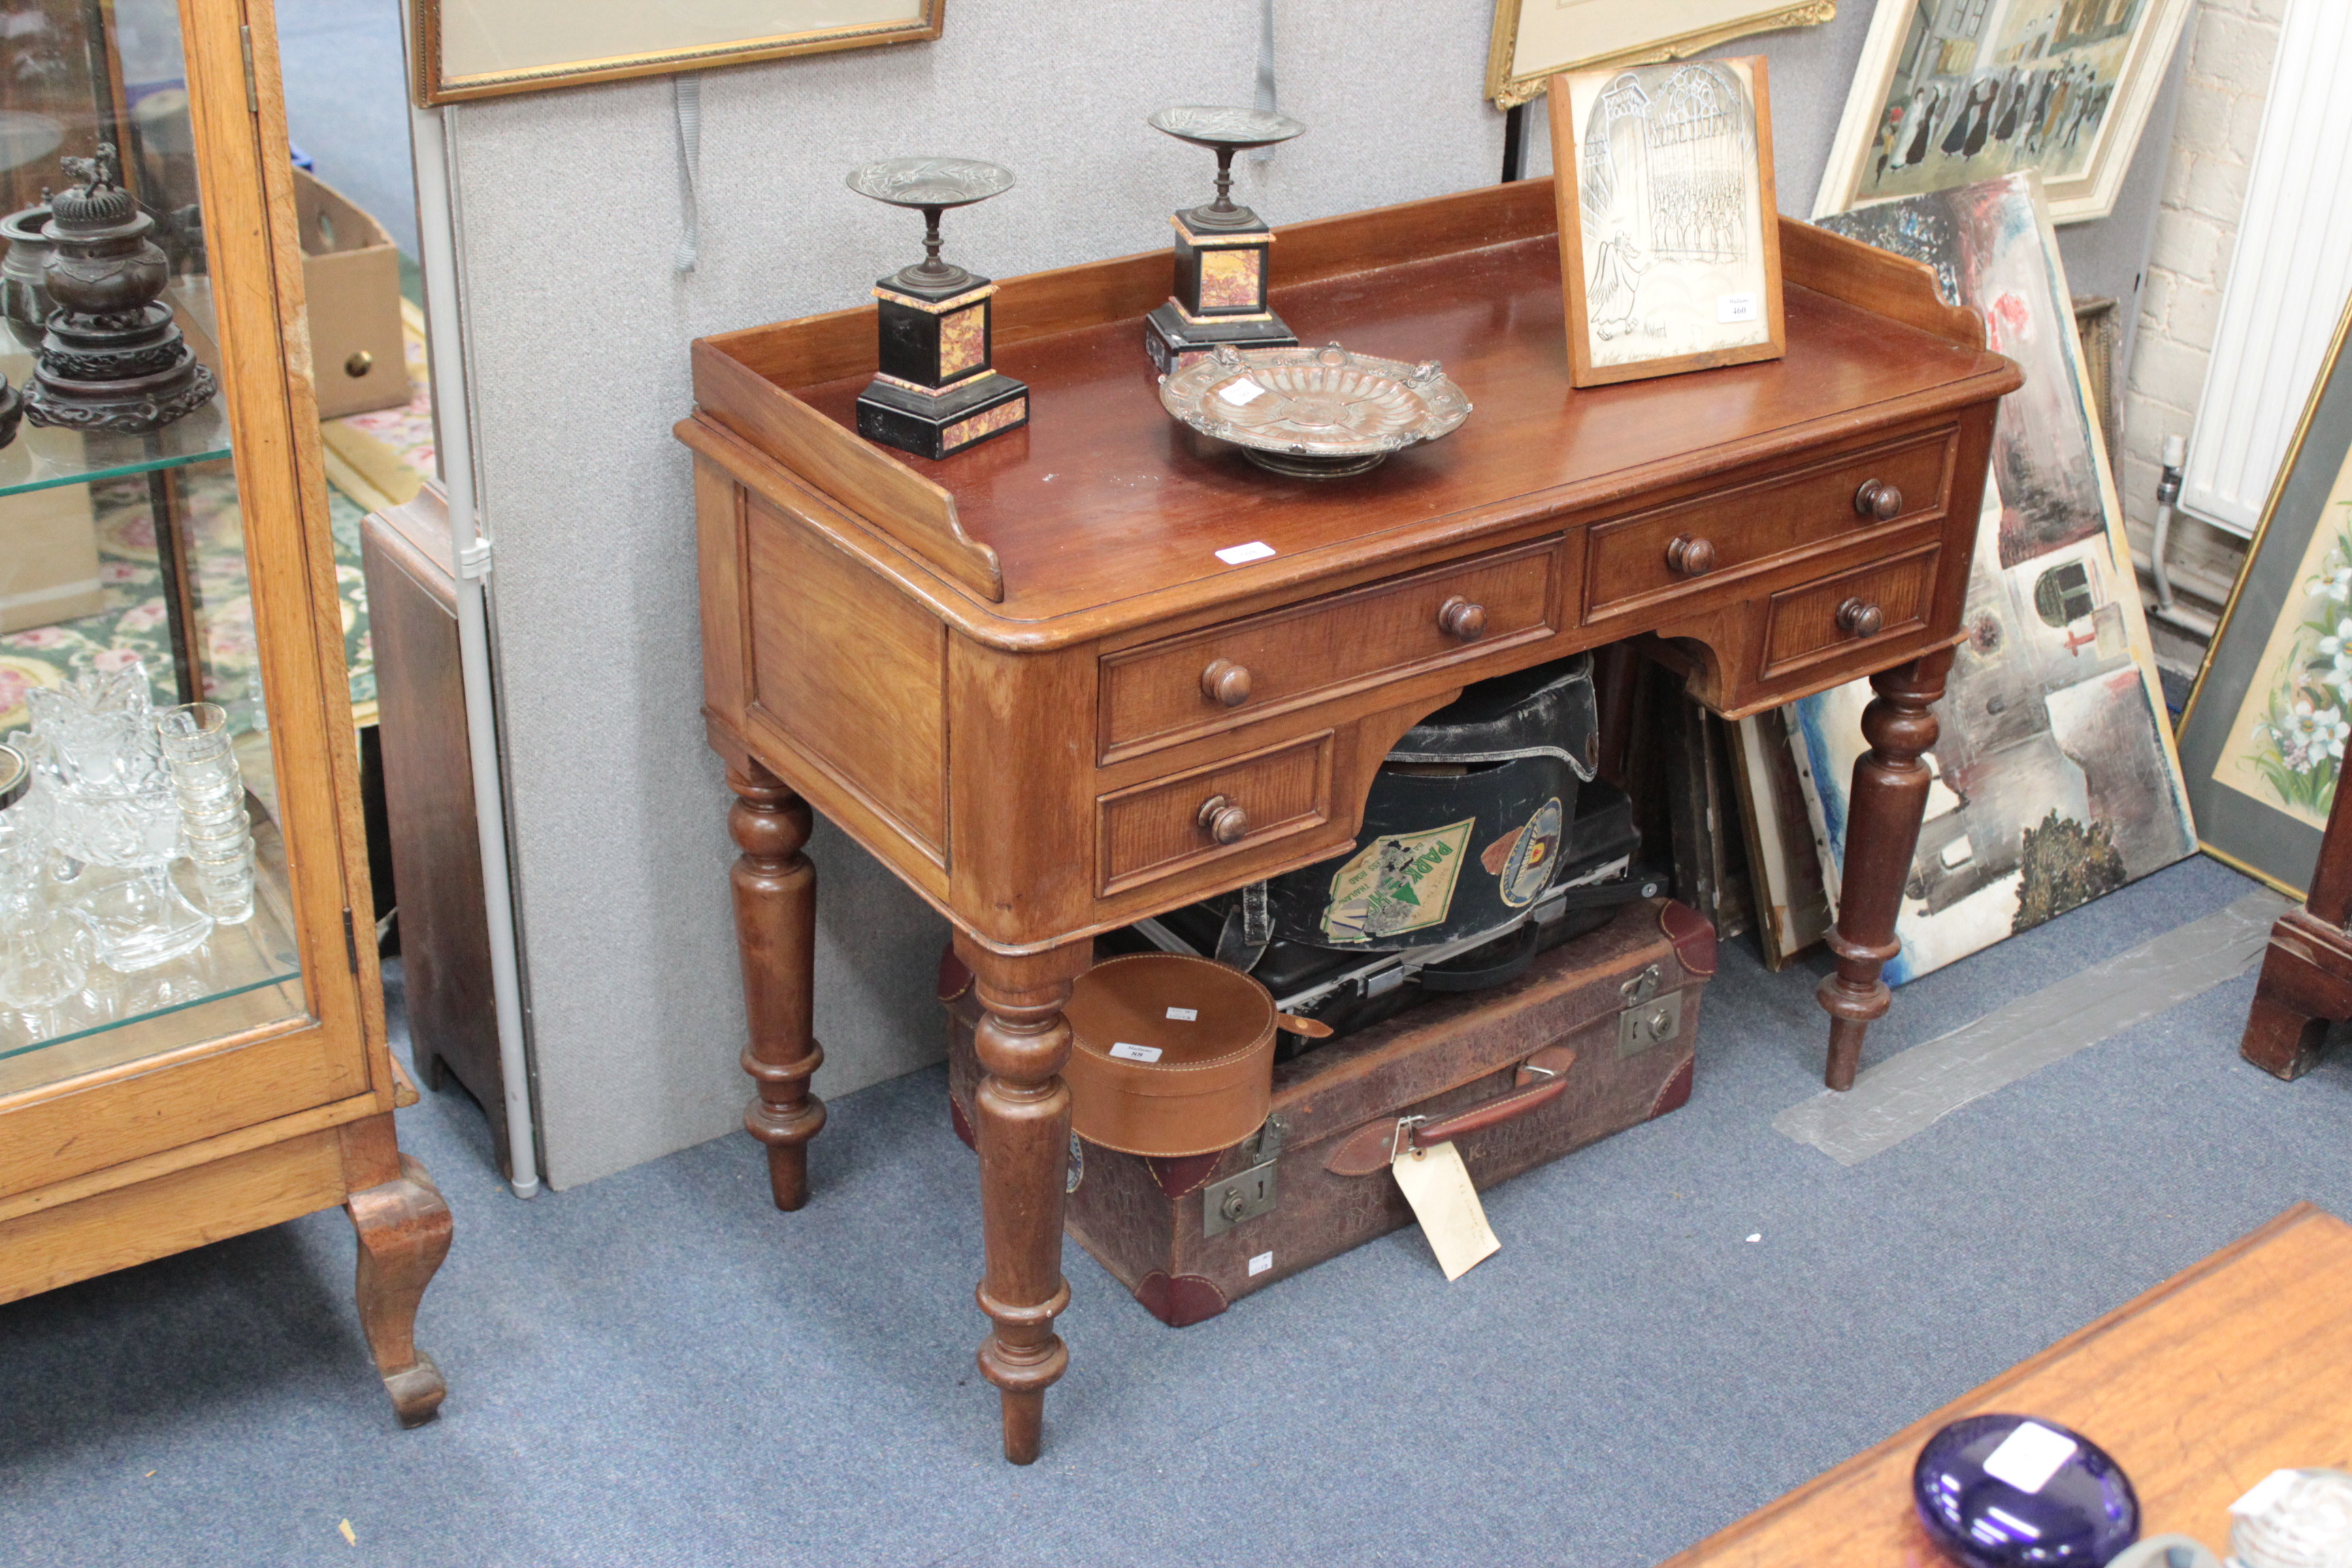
(1634,560)
(1222,676)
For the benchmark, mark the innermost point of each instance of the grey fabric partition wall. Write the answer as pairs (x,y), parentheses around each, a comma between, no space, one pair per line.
(569,212)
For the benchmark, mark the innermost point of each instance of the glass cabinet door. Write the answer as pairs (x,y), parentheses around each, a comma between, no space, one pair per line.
(151,896)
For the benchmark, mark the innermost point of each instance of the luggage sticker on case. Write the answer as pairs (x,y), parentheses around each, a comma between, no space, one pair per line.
(1521,861)
(1397,883)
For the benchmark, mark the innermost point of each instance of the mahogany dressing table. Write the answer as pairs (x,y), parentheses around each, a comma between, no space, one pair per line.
(1026,680)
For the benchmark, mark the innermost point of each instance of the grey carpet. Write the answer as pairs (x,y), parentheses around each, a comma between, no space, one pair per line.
(347,103)
(660,1369)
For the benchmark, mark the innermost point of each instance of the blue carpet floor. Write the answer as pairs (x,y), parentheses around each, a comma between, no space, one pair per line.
(660,1369)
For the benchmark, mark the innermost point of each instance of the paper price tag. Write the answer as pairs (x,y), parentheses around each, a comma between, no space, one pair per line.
(2264,1493)
(1128,1053)
(2029,1457)
(1261,1263)
(1437,1184)
(1184,1014)
(1243,393)
(1242,555)
(1737,308)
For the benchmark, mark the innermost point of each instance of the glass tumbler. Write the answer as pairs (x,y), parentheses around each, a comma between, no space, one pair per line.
(40,948)
(214,832)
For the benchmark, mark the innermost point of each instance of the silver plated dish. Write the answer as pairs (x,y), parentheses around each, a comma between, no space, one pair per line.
(1208,125)
(930,183)
(1314,413)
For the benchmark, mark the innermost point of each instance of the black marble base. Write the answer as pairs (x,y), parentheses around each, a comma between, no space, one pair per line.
(1173,340)
(938,426)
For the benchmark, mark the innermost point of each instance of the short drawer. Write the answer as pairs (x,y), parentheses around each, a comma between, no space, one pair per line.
(1821,619)
(1213,813)
(1248,669)
(1642,557)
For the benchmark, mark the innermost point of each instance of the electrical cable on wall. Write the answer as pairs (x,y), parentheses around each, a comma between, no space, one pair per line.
(1266,95)
(686,94)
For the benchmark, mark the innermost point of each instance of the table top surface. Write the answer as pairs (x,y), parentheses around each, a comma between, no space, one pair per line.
(1104,497)
(2237,1366)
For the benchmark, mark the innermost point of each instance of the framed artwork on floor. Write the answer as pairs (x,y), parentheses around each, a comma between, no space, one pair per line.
(1669,239)
(2263,735)
(2056,781)
(1535,40)
(1950,92)
(470,48)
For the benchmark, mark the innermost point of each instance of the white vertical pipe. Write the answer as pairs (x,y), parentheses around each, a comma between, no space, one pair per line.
(470,563)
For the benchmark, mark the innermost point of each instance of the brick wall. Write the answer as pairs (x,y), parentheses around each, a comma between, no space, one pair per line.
(2231,45)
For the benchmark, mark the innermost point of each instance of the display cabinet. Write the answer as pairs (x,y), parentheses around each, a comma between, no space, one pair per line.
(191,1033)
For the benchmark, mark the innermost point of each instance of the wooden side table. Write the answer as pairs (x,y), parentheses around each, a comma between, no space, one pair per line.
(2237,1366)
(2307,981)
(1009,674)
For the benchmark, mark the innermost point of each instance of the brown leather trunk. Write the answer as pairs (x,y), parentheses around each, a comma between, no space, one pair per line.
(1614,1015)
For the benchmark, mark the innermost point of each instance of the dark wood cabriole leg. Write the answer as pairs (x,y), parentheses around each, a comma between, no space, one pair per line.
(1889,797)
(2307,984)
(403,1231)
(1023,1121)
(775,927)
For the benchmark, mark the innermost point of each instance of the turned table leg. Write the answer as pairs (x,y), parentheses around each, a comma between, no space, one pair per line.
(775,927)
(1022,1122)
(1881,831)
(403,1231)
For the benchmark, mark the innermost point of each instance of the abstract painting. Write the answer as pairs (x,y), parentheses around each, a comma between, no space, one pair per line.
(1949,92)
(1668,220)
(2055,780)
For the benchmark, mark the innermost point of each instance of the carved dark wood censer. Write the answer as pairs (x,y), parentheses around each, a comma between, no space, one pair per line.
(1008,674)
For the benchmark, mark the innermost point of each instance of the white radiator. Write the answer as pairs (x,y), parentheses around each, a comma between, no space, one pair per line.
(2289,273)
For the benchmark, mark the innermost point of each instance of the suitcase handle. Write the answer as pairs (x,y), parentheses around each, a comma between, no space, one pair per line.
(1368,1148)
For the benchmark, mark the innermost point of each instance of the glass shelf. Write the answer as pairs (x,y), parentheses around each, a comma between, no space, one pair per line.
(41,458)
(244,975)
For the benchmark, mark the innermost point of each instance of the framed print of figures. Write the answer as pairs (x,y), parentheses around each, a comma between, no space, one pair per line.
(1950,92)
(1669,240)
(2264,737)
(485,48)
(1535,40)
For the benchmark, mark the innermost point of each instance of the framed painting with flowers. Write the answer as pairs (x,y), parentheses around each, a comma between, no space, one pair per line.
(2265,735)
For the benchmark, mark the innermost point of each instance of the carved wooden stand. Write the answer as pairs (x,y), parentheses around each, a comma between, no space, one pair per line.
(2307,981)
(1890,795)
(775,924)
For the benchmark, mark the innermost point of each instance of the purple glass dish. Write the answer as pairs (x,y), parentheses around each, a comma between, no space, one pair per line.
(2081,1514)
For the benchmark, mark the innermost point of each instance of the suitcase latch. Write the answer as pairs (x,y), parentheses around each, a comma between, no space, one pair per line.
(1650,1022)
(1641,987)
(1226,1203)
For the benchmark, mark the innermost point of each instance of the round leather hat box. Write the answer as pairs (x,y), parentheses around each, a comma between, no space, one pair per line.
(1171,1054)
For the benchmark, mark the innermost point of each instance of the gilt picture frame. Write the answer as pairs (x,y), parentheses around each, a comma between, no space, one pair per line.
(1535,40)
(1953,92)
(463,50)
(1669,235)
(2263,735)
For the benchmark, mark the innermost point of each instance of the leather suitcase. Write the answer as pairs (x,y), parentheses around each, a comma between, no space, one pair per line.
(1595,1038)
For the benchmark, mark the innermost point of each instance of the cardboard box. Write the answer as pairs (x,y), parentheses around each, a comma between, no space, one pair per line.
(351,272)
(48,558)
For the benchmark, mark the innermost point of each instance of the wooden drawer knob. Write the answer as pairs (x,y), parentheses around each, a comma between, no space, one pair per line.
(1461,620)
(1860,618)
(1224,821)
(1690,557)
(1878,499)
(1226,682)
